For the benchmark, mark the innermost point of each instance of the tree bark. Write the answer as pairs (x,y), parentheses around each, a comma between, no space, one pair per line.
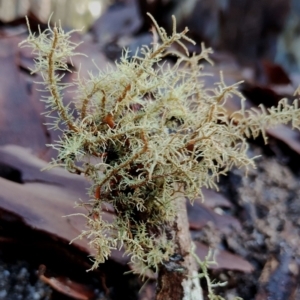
(177,278)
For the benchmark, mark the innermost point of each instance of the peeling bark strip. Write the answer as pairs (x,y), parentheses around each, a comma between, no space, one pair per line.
(176,279)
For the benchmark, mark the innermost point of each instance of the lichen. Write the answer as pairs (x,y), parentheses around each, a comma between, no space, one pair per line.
(143,131)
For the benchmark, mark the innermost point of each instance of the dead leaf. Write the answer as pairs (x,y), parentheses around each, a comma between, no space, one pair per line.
(260,94)
(67,286)
(287,135)
(46,199)
(20,120)
(117,21)
(275,74)
(199,216)
(213,199)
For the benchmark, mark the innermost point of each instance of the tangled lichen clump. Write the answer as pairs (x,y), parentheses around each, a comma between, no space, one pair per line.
(142,132)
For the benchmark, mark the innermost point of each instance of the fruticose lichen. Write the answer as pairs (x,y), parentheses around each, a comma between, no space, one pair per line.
(141,132)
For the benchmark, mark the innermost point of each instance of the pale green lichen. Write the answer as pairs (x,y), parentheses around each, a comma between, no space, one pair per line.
(141,129)
(204,265)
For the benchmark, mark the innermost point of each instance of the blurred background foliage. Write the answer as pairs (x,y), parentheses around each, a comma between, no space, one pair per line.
(248,29)
(73,14)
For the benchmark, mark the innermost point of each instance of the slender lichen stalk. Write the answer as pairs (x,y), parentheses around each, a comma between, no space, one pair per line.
(53,84)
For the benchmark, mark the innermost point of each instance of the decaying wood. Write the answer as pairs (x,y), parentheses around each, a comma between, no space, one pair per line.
(177,278)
